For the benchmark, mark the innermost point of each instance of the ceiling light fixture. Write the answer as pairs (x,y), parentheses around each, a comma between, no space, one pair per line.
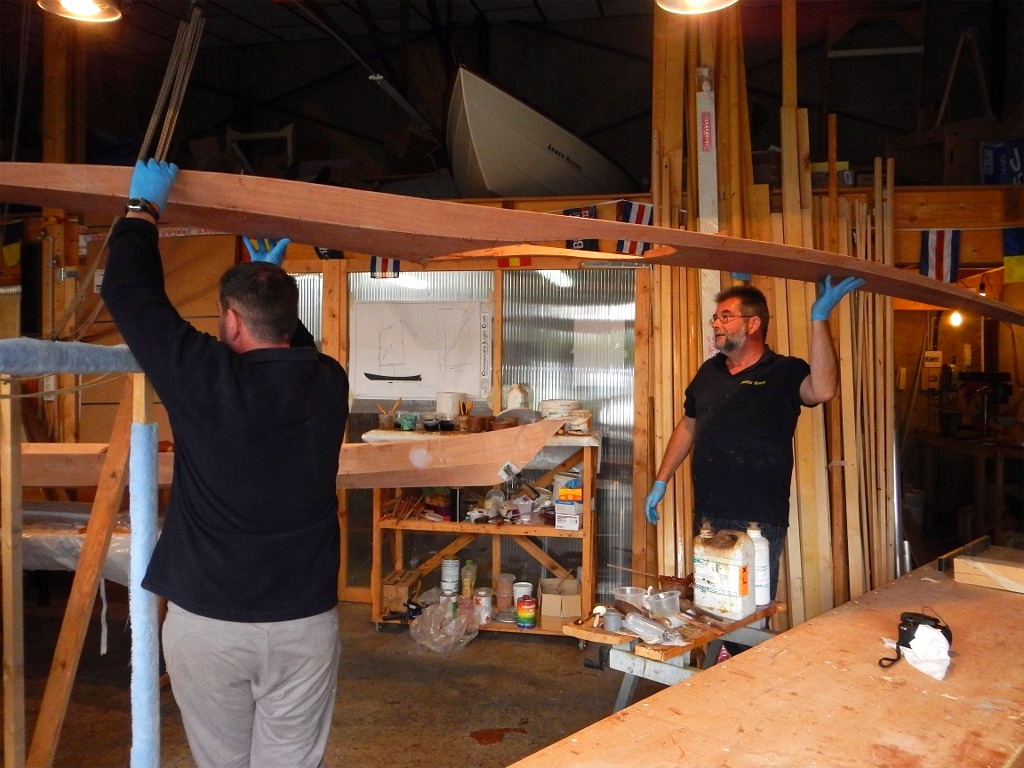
(82,10)
(955,319)
(981,289)
(694,6)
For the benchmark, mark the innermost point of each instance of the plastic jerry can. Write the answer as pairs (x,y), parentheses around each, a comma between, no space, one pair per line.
(762,566)
(723,573)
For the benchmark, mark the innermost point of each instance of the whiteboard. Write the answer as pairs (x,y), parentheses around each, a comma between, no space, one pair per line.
(415,349)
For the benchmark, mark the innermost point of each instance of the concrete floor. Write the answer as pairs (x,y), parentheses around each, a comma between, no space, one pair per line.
(501,698)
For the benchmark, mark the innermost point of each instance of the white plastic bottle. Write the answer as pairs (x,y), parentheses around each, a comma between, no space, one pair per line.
(762,566)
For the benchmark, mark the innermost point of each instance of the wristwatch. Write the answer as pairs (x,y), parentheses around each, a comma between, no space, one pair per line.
(140,205)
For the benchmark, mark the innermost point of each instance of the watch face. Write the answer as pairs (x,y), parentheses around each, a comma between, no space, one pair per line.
(139,205)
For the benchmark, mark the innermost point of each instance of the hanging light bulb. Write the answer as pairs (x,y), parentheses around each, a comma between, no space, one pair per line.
(83,10)
(955,319)
(981,289)
(694,6)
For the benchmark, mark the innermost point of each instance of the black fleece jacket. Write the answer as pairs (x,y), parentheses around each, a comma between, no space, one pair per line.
(251,530)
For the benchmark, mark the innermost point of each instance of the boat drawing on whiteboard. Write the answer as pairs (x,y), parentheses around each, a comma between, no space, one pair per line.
(387,377)
(501,147)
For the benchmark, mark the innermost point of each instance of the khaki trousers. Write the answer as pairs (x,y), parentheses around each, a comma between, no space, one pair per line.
(253,695)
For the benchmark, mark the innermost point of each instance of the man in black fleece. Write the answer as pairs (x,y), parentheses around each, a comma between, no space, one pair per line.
(249,552)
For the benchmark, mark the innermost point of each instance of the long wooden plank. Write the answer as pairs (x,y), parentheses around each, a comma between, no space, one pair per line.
(55,465)
(419,229)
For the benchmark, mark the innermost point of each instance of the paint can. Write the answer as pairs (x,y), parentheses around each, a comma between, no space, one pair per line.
(526,612)
(450,599)
(450,574)
(483,604)
(521,588)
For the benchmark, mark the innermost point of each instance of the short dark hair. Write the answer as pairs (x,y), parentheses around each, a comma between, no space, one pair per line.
(266,296)
(752,302)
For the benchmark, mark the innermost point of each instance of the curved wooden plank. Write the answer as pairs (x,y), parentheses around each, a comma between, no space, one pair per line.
(451,459)
(418,229)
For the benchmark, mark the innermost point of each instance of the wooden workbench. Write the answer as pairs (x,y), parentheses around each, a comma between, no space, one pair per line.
(815,695)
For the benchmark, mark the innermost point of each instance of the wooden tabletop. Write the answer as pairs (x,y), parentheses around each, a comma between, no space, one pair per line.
(815,695)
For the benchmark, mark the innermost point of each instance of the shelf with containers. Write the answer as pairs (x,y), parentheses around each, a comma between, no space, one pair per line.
(566,452)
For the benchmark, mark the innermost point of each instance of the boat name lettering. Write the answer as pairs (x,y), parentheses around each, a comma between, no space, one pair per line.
(554,150)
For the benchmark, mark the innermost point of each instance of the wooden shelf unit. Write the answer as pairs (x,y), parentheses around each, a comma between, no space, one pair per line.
(583,451)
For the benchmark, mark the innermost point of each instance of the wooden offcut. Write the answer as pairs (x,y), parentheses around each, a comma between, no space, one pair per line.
(995,567)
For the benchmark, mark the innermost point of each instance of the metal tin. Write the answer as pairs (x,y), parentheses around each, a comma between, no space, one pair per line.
(483,604)
(450,570)
(526,612)
(449,597)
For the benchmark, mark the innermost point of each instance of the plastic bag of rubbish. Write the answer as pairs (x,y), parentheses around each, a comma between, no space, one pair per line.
(443,631)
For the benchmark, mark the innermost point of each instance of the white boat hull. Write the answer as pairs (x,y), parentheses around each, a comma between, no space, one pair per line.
(499,146)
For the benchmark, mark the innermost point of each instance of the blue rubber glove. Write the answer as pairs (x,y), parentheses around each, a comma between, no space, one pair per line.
(266,249)
(829,295)
(653,499)
(152,180)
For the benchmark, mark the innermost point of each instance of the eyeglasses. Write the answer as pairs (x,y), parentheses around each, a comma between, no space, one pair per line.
(726,317)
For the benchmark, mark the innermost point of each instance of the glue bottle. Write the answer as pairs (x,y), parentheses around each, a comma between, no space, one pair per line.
(468,578)
(762,566)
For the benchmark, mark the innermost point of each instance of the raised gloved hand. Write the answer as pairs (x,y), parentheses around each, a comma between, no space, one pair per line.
(829,295)
(152,180)
(265,249)
(653,499)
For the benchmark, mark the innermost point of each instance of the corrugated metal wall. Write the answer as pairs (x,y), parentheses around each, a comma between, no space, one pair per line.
(311,291)
(569,335)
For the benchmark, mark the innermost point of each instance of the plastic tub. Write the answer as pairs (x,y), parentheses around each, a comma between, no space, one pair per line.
(632,595)
(661,605)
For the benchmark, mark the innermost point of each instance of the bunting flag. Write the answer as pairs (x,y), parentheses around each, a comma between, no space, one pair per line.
(514,262)
(940,254)
(383,267)
(1013,255)
(324,253)
(634,213)
(587,212)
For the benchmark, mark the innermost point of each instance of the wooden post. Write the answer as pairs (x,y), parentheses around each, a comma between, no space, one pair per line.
(88,573)
(12,575)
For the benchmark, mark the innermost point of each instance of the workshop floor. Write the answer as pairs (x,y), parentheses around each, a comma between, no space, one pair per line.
(399,705)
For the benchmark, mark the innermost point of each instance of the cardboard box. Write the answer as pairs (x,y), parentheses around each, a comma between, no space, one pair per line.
(560,479)
(560,601)
(398,587)
(569,515)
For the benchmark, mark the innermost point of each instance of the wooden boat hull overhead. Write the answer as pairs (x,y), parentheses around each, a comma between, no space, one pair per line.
(501,147)
(419,230)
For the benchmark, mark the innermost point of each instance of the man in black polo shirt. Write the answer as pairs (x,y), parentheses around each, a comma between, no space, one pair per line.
(740,414)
